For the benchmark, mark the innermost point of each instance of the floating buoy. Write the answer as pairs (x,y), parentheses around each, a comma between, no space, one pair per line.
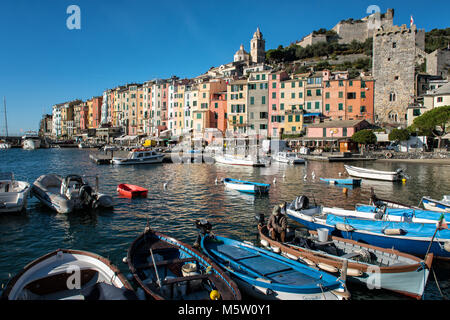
(274,180)
(165,185)
(404,180)
(313,175)
(327,267)
(305,177)
(214,295)
(340,174)
(345,191)
(124,260)
(215,181)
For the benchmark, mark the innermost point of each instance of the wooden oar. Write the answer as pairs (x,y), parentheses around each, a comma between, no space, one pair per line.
(158,281)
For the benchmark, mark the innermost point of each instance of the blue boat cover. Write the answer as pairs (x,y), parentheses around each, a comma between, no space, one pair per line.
(412,229)
(407,213)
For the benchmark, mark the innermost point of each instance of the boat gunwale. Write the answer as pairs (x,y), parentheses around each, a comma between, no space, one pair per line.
(35,262)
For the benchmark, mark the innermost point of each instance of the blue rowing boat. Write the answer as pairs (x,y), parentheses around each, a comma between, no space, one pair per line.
(246,186)
(413,238)
(352,182)
(263,274)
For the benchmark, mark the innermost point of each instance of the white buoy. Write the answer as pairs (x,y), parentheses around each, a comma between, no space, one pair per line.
(124,260)
(305,177)
(274,180)
(313,175)
(216,181)
(340,174)
(165,185)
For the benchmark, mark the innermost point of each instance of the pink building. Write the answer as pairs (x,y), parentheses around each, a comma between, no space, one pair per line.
(332,132)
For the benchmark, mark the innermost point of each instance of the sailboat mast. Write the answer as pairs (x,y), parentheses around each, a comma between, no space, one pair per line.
(6,119)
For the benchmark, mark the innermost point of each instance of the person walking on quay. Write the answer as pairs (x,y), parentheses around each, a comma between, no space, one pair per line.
(277,225)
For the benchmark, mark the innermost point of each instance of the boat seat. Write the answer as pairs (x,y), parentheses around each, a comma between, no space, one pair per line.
(164,263)
(350,255)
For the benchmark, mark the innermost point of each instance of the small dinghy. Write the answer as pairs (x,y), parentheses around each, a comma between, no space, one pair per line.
(69,275)
(266,275)
(167,269)
(246,186)
(375,174)
(13,194)
(352,182)
(362,263)
(68,194)
(131,191)
(436,205)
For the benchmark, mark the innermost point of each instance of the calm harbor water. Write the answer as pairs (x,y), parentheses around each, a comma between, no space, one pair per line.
(191,194)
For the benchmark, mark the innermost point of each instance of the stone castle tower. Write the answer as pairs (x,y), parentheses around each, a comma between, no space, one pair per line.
(396,52)
(258,48)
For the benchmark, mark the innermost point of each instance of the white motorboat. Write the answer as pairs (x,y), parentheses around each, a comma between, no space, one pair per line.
(31,141)
(68,194)
(239,160)
(69,275)
(13,194)
(140,156)
(436,205)
(288,157)
(374,174)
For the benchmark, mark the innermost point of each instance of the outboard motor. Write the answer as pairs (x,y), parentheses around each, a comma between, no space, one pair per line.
(301,203)
(86,196)
(204,228)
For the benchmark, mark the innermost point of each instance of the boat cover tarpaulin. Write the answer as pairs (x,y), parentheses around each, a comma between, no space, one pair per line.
(412,229)
(405,212)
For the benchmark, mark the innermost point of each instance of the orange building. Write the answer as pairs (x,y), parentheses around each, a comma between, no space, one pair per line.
(218,110)
(348,99)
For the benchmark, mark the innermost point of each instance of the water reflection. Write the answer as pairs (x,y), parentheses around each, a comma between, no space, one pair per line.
(191,194)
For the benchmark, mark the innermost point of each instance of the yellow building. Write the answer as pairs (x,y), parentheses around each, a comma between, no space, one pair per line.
(292,101)
(237,92)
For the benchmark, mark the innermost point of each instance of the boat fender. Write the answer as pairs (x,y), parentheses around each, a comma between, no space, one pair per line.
(394,232)
(276,249)
(265,243)
(291,256)
(214,295)
(344,227)
(327,267)
(447,246)
(308,262)
(265,291)
(351,272)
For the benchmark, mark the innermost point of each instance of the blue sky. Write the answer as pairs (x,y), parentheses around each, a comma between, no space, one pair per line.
(42,62)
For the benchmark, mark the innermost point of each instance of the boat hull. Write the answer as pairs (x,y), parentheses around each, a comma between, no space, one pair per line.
(372,174)
(238,161)
(434,205)
(16,201)
(273,277)
(61,264)
(408,279)
(411,245)
(352,182)
(131,191)
(118,161)
(247,187)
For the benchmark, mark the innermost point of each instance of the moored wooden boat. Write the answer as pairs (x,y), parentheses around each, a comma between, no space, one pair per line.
(168,269)
(407,237)
(387,268)
(131,191)
(352,182)
(263,274)
(246,186)
(69,275)
(374,174)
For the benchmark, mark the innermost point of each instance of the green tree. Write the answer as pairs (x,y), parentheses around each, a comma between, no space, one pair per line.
(399,135)
(433,123)
(364,137)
